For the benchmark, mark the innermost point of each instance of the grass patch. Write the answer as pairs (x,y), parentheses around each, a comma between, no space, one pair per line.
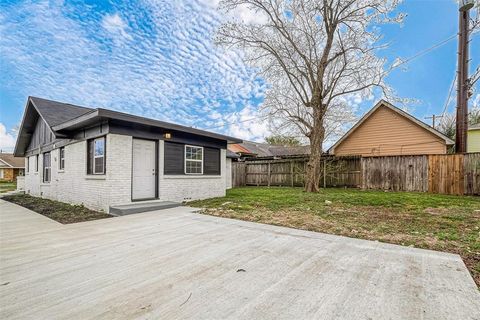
(59,211)
(6,186)
(430,221)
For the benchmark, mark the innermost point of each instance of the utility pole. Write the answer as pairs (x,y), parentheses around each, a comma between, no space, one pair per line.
(462,76)
(433,117)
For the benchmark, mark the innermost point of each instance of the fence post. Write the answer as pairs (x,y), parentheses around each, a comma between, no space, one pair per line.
(268,174)
(291,172)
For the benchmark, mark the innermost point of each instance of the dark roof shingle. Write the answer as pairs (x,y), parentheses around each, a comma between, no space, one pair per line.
(55,112)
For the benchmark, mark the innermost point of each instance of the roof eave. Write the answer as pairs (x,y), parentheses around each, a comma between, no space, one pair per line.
(78,121)
(114,115)
(16,152)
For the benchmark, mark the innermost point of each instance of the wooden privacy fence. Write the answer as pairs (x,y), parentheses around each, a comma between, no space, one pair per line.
(448,174)
(336,172)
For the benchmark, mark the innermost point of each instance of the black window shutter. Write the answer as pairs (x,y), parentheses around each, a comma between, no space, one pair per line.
(211,161)
(89,156)
(174,154)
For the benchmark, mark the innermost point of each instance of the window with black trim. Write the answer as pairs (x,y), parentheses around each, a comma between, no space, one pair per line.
(61,158)
(96,156)
(28,164)
(36,163)
(193,160)
(47,167)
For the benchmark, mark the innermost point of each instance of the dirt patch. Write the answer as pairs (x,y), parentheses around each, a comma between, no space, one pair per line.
(436,211)
(59,211)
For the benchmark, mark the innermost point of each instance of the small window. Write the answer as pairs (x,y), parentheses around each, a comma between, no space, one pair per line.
(96,156)
(47,168)
(193,160)
(27,163)
(36,163)
(61,158)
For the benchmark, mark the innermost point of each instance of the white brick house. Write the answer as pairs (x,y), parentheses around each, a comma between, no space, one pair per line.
(102,158)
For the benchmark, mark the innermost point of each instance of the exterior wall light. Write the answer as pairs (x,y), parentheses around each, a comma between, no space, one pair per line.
(167,135)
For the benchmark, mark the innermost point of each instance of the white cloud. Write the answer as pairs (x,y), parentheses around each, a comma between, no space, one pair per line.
(169,68)
(7,139)
(248,124)
(114,24)
(249,16)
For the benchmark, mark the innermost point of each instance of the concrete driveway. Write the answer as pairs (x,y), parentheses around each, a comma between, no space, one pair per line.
(176,264)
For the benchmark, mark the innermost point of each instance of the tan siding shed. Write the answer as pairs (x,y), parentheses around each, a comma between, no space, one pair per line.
(387,132)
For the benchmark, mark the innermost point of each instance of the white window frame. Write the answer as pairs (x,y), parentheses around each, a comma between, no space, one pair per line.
(193,160)
(36,163)
(2,174)
(102,156)
(44,168)
(61,158)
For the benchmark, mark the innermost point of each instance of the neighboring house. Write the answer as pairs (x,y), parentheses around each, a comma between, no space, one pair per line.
(11,167)
(255,150)
(101,158)
(473,138)
(387,130)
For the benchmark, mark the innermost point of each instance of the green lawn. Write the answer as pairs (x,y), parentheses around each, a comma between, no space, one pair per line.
(7,186)
(437,222)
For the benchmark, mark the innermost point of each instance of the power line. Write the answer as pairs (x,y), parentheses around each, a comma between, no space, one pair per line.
(447,102)
(236,122)
(415,56)
(425,51)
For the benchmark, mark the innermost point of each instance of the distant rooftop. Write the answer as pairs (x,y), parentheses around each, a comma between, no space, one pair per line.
(264,150)
(11,161)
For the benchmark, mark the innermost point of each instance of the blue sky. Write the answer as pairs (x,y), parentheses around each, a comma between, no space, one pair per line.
(157,59)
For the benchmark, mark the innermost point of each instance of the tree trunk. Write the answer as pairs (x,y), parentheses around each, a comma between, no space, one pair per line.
(314,168)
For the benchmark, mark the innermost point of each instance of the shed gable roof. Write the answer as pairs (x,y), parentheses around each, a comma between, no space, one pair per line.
(383,103)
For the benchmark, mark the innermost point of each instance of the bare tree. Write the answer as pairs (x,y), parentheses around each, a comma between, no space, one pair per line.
(448,124)
(474,116)
(316,56)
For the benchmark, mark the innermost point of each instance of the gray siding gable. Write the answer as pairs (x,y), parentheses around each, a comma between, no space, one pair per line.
(41,136)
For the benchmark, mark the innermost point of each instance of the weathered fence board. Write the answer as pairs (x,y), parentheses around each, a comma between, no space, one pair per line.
(448,174)
(339,172)
(343,172)
(472,173)
(238,174)
(396,173)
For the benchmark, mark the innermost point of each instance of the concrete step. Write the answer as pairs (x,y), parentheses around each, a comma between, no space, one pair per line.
(144,206)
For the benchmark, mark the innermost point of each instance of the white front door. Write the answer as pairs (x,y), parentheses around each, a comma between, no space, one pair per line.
(143,175)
